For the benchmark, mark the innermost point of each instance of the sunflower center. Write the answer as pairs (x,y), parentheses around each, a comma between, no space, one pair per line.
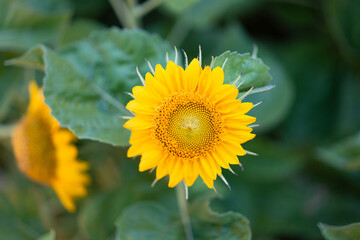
(37,155)
(187,125)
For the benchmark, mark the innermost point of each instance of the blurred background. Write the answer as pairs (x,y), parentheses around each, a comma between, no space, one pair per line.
(308,168)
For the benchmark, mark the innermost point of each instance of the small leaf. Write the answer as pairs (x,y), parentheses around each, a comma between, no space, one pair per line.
(254,73)
(347,232)
(343,155)
(49,236)
(85,83)
(208,224)
(147,221)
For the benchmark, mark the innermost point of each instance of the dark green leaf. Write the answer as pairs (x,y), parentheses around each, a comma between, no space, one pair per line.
(348,232)
(208,224)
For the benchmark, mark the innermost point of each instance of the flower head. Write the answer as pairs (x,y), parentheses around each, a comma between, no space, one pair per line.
(188,123)
(44,151)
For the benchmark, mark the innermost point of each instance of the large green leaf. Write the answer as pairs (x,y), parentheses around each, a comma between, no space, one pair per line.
(254,73)
(348,232)
(26,23)
(147,221)
(85,83)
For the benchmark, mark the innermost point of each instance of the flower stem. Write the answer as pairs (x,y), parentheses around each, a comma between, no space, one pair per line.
(147,7)
(185,219)
(124,13)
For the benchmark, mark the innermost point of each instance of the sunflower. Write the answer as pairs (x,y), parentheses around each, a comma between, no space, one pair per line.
(45,153)
(188,123)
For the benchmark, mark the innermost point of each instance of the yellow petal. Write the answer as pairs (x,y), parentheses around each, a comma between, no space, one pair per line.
(227,155)
(192,74)
(206,165)
(149,159)
(136,123)
(154,86)
(220,160)
(204,81)
(137,107)
(162,169)
(176,76)
(205,177)
(143,96)
(191,172)
(176,173)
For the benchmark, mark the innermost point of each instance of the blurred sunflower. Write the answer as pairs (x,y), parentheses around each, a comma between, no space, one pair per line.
(187,123)
(44,151)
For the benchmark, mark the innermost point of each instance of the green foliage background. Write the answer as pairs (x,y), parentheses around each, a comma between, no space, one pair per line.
(304,184)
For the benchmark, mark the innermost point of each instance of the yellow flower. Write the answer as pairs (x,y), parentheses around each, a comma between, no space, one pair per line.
(187,123)
(44,151)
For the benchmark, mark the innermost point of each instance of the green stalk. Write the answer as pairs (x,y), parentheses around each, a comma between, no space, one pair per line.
(124,13)
(146,7)
(185,219)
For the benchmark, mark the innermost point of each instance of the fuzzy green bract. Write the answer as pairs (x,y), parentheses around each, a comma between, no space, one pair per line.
(254,73)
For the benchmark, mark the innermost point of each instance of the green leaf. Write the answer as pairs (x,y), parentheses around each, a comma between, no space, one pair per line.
(147,221)
(254,73)
(347,232)
(343,155)
(85,83)
(26,23)
(103,208)
(49,236)
(208,224)
(19,219)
